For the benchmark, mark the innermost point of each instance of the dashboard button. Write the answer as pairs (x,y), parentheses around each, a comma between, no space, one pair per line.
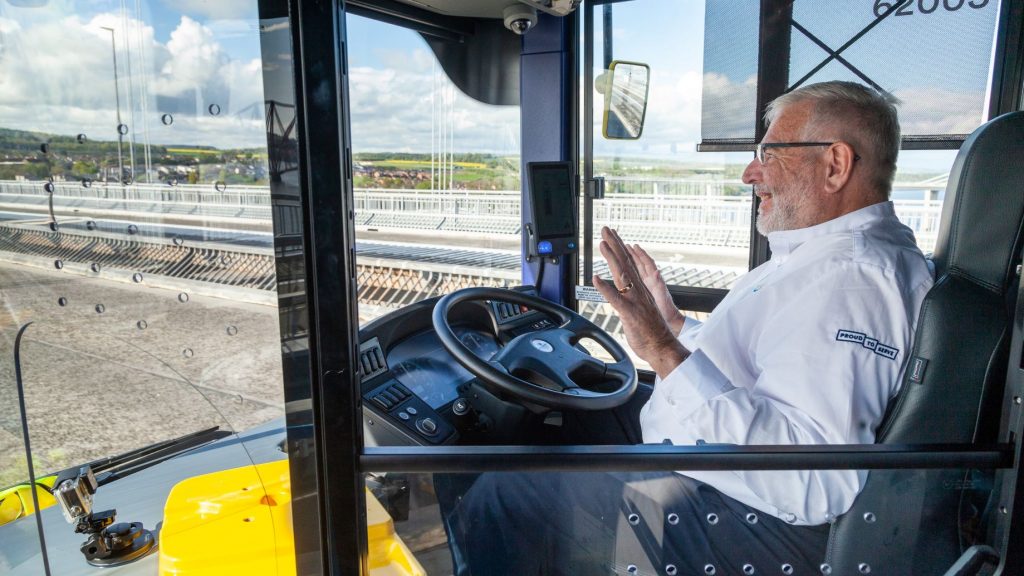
(391,396)
(403,415)
(411,410)
(427,426)
(381,402)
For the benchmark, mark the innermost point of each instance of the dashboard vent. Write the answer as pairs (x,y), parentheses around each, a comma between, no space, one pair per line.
(371,359)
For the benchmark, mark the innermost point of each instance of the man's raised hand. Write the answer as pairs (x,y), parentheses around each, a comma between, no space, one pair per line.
(647,332)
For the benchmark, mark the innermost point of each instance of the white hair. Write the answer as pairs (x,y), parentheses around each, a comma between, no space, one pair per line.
(860,116)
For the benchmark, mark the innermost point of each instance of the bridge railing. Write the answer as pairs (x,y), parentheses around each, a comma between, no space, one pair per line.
(698,219)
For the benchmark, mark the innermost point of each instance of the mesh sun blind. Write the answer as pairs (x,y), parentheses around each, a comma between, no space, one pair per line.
(933,55)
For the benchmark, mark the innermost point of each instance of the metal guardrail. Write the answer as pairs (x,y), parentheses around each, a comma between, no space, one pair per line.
(701,216)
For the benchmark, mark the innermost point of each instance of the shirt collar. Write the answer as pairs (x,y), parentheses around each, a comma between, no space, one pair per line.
(785,242)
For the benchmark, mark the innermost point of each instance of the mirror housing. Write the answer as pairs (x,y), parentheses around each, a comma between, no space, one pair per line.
(625,104)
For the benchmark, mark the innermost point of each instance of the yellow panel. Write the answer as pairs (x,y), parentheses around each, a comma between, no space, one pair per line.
(16,501)
(239,522)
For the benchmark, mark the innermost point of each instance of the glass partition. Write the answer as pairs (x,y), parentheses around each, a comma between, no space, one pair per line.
(17,504)
(666,524)
(136,236)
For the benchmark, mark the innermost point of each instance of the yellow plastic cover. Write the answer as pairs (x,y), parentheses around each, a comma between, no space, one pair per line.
(239,522)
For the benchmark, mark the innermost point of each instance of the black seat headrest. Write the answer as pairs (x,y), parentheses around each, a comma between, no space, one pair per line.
(981,214)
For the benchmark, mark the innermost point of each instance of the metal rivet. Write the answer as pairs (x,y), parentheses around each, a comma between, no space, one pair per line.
(213,109)
(86,183)
(825,569)
(231,330)
(48,187)
(673,518)
(709,569)
(58,264)
(751,518)
(81,138)
(1003,510)
(1016,400)
(712,518)
(122,129)
(167,119)
(634,519)
(90,225)
(787,568)
(670,569)
(100,308)
(748,569)
(248,519)
(62,301)
(869,517)
(631,569)
(95,267)
(133,229)
(864,568)
(188,353)
(137,277)
(142,324)
(220,185)
(182,297)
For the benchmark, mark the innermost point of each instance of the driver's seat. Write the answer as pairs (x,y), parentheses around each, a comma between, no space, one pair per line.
(915,521)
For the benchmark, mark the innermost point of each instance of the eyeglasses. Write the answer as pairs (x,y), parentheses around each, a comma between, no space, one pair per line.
(762,155)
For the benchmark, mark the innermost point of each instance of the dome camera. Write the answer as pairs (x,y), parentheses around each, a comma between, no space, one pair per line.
(520,18)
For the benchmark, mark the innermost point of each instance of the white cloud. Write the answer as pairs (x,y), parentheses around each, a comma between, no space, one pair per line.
(395,111)
(57,76)
(928,110)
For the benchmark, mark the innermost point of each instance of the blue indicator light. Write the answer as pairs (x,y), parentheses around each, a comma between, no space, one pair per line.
(544,247)
(572,245)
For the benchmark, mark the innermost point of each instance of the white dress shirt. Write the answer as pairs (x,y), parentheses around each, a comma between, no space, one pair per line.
(807,348)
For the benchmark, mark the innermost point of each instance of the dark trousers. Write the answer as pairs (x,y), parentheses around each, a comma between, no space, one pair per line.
(569,523)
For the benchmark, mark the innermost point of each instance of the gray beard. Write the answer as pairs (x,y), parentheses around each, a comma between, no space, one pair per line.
(785,215)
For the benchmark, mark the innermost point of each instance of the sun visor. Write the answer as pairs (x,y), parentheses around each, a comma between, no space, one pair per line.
(933,55)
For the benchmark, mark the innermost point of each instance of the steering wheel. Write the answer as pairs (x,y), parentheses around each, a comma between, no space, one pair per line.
(550,356)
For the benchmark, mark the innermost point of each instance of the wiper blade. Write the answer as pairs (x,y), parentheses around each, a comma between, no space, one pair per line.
(114,467)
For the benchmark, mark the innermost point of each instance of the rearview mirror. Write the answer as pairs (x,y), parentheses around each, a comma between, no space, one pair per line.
(625,103)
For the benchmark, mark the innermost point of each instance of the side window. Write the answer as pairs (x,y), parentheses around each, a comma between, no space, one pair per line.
(437,182)
(689,209)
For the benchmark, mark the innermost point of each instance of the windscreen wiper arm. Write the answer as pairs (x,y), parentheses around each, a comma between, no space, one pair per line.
(115,467)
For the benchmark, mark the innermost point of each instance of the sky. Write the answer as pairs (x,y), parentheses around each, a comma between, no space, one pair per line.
(200,62)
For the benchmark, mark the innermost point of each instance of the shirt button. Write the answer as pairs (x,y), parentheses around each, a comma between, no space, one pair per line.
(789,517)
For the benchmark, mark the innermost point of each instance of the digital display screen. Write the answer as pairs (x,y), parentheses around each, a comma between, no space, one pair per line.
(551,193)
(423,365)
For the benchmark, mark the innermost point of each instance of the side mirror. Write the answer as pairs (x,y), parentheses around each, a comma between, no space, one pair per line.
(625,103)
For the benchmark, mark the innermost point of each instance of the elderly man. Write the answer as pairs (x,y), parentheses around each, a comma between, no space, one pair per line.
(805,349)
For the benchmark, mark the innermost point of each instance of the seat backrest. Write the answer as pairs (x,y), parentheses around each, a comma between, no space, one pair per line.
(906,521)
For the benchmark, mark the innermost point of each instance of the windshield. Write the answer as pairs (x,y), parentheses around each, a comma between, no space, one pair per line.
(136,245)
